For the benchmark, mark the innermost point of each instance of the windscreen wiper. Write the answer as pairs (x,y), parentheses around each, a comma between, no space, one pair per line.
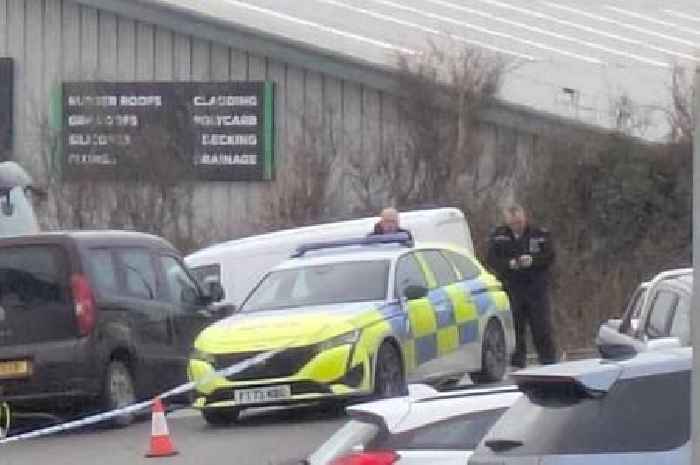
(499,445)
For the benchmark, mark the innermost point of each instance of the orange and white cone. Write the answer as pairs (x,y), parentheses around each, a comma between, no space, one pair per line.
(161,445)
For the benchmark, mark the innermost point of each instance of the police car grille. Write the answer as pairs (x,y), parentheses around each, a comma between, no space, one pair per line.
(281,365)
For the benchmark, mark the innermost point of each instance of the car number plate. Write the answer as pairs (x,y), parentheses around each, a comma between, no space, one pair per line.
(262,395)
(15,369)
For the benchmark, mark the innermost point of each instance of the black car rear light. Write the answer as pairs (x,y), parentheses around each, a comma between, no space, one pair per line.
(84,300)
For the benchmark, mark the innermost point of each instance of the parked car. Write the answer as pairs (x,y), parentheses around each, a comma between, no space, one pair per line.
(634,411)
(355,318)
(239,264)
(423,428)
(100,318)
(657,317)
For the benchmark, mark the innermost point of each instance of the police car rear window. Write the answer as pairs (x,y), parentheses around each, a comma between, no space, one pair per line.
(646,414)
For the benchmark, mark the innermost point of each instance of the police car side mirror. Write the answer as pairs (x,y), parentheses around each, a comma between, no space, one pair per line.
(414,292)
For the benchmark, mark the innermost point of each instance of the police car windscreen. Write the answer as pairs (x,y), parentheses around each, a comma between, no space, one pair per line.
(335,283)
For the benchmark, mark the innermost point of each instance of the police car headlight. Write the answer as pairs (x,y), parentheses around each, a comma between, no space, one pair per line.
(350,337)
(203,356)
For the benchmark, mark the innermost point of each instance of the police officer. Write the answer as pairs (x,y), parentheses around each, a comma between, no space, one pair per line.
(389,223)
(520,255)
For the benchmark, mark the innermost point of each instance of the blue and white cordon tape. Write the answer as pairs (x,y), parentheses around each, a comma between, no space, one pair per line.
(131,409)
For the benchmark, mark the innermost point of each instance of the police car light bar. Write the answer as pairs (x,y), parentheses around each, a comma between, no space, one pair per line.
(403,239)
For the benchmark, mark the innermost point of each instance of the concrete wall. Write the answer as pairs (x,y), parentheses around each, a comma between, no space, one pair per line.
(56,40)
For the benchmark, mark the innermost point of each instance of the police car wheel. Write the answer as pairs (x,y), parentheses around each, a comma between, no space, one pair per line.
(388,379)
(222,416)
(493,355)
(119,392)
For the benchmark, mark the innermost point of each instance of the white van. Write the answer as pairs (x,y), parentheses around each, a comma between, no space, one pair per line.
(239,264)
(17,216)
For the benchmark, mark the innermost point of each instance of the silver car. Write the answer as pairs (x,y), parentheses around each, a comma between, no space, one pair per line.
(626,412)
(657,317)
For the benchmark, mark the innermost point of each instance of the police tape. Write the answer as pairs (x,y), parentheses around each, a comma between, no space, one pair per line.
(128,410)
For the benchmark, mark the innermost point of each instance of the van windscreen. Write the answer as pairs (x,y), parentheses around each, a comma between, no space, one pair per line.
(17,217)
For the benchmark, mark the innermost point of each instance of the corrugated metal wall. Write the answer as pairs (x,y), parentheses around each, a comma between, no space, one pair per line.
(56,40)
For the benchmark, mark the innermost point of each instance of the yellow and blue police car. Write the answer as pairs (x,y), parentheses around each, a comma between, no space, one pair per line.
(354,318)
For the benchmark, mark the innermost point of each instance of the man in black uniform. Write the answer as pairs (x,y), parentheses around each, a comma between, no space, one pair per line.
(520,255)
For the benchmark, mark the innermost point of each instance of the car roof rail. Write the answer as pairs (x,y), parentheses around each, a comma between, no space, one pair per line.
(402,238)
(670,274)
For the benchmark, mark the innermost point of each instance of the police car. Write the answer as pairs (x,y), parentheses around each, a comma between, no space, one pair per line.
(355,318)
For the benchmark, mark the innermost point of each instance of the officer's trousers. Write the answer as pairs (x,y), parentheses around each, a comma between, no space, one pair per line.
(531,307)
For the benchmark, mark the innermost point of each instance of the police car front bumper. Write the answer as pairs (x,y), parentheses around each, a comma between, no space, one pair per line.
(294,375)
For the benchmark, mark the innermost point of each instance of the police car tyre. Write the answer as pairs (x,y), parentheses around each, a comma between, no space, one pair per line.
(222,416)
(493,355)
(119,392)
(389,380)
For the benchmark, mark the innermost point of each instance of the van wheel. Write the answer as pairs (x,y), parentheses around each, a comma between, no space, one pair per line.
(222,416)
(388,378)
(493,355)
(119,392)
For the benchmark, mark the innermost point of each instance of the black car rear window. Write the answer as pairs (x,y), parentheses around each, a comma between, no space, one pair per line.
(32,275)
(645,414)
(457,433)
(35,297)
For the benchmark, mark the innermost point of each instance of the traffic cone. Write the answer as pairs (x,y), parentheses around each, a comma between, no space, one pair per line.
(161,446)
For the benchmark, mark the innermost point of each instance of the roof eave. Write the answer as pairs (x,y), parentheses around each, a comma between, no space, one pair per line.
(308,56)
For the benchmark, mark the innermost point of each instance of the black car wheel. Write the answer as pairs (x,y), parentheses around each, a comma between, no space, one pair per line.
(222,416)
(389,380)
(493,355)
(119,391)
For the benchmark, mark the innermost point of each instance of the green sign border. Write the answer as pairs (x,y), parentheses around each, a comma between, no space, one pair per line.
(269,130)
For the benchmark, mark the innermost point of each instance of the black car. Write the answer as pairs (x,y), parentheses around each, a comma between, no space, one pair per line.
(95,318)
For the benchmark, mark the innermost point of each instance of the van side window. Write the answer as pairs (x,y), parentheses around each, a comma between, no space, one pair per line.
(442,270)
(408,273)
(181,288)
(139,272)
(207,273)
(467,269)
(102,271)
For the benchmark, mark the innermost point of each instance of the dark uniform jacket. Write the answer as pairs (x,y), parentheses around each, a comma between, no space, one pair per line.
(504,246)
